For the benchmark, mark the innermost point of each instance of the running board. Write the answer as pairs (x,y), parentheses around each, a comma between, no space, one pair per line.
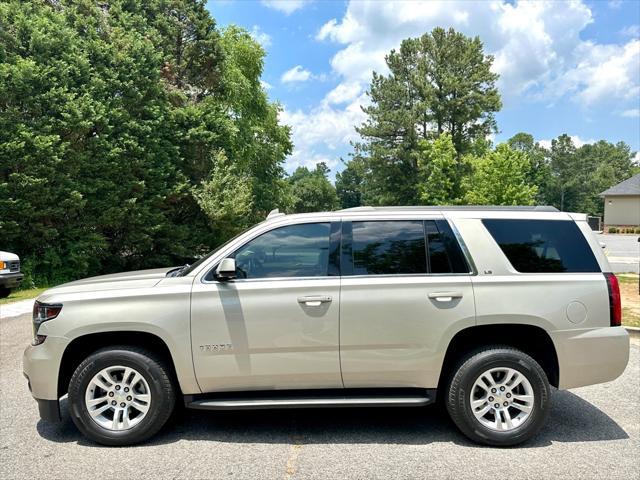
(309,399)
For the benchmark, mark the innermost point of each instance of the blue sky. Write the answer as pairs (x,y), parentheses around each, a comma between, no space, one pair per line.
(565,67)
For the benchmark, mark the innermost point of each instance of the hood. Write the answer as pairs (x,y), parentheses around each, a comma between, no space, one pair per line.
(8,256)
(114,281)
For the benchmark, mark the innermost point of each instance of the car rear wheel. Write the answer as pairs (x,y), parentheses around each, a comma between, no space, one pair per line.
(499,396)
(121,395)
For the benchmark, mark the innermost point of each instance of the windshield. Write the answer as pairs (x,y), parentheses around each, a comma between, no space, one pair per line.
(187,269)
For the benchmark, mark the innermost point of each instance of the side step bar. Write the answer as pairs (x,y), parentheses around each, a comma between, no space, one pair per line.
(309,399)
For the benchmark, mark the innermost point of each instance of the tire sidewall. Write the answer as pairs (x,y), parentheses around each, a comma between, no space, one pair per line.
(94,364)
(534,374)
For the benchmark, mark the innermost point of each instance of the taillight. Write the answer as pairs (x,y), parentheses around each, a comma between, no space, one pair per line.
(615,305)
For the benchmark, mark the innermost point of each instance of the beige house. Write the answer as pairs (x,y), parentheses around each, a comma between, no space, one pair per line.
(622,203)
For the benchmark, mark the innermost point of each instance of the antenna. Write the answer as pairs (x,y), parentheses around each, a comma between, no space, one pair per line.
(274,213)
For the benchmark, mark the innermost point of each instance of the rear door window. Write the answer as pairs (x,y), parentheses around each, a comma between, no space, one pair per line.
(400,247)
(445,255)
(543,246)
(389,248)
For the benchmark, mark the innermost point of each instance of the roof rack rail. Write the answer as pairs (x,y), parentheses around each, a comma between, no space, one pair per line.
(507,208)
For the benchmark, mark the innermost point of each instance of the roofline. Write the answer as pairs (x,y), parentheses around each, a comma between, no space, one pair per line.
(604,194)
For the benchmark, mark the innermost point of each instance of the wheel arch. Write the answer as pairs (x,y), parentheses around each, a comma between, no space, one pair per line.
(83,346)
(532,340)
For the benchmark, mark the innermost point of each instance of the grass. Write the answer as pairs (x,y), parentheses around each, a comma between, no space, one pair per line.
(17,295)
(630,299)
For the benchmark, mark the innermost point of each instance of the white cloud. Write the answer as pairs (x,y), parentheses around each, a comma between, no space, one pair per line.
(603,73)
(577,142)
(631,31)
(266,85)
(285,6)
(296,74)
(324,128)
(343,93)
(261,37)
(531,41)
(631,113)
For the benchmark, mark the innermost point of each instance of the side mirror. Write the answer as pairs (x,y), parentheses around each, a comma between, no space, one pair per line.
(226,269)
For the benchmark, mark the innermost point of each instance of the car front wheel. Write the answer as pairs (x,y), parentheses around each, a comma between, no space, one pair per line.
(121,395)
(499,396)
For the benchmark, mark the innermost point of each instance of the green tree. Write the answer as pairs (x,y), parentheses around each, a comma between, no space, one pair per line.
(606,164)
(540,171)
(350,183)
(120,123)
(311,191)
(500,178)
(567,174)
(437,169)
(438,83)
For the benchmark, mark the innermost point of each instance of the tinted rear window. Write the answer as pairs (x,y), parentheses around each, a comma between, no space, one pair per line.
(400,247)
(445,255)
(543,246)
(388,248)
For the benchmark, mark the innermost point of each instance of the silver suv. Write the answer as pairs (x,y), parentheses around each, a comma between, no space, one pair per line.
(481,308)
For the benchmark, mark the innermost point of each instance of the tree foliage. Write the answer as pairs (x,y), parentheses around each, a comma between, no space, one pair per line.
(311,191)
(500,177)
(123,127)
(438,83)
(437,171)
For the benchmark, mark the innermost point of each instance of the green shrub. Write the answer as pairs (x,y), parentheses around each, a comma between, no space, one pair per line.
(613,230)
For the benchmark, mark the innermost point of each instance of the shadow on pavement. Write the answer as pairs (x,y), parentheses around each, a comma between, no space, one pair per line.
(572,419)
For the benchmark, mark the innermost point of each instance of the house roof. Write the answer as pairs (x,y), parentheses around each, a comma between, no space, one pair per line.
(631,186)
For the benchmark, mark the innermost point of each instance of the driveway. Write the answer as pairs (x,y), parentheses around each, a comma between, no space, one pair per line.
(592,433)
(623,252)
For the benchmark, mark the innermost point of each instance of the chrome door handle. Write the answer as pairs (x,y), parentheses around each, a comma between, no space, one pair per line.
(445,296)
(314,300)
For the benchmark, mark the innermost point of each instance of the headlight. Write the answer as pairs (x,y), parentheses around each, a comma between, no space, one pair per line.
(43,312)
(4,265)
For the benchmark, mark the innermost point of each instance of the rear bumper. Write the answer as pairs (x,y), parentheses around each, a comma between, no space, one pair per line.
(11,280)
(587,357)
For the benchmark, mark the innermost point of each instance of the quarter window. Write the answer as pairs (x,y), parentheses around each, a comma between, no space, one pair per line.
(543,246)
(292,251)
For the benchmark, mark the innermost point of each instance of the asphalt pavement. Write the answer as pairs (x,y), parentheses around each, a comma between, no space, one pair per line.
(622,251)
(592,433)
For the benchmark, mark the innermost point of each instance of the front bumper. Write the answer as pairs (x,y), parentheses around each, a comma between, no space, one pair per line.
(41,365)
(49,409)
(587,357)
(11,280)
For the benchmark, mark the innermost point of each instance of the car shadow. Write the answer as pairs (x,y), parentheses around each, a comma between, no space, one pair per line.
(572,419)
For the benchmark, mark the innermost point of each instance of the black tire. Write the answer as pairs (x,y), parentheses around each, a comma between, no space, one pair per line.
(464,376)
(4,292)
(155,372)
